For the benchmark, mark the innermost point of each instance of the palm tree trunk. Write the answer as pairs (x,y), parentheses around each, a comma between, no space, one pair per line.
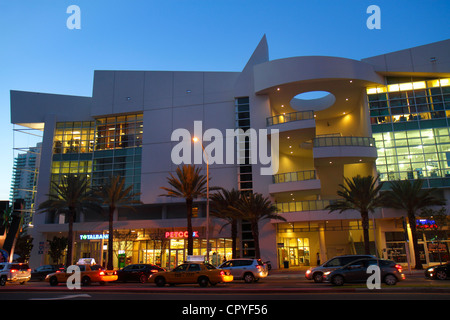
(234,232)
(255,234)
(365,225)
(69,257)
(412,225)
(110,265)
(190,246)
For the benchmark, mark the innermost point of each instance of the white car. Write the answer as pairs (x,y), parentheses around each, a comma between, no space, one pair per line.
(14,272)
(250,270)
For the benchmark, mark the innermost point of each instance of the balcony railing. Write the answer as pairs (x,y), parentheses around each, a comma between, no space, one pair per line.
(288,117)
(294,176)
(307,205)
(344,141)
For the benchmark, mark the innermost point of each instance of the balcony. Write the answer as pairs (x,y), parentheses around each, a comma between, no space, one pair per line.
(294,181)
(288,117)
(344,149)
(306,205)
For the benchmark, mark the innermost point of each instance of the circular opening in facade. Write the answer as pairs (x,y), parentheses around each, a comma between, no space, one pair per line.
(313,100)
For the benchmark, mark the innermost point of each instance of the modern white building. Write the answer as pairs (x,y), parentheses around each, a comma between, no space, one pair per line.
(373,109)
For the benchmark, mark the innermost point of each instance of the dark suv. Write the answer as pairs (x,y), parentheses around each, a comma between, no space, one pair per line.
(316,273)
(356,271)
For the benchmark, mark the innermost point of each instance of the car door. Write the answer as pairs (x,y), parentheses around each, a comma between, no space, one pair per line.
(193,272)
(125,273)
(356,271)
(178,275)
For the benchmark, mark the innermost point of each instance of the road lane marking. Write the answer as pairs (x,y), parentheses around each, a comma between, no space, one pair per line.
(64,297)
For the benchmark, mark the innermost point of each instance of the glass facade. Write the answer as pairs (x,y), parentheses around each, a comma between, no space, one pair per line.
(99,149)
(410,127)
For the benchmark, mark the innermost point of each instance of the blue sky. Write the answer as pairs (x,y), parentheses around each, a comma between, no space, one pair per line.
(39,53)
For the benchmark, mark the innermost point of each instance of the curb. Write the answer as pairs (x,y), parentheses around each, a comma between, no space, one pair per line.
(195,290)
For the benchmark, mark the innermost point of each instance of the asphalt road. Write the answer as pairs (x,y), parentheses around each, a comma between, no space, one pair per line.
(281,296)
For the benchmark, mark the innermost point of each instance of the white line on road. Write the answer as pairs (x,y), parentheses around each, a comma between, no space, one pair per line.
(74,296)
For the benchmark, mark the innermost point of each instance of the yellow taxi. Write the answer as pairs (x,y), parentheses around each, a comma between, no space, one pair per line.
(186,273)
(88,274)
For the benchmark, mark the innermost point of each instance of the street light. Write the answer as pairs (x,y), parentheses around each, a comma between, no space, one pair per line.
(195,139)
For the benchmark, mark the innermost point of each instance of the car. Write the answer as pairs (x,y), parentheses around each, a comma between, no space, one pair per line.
(14,272)
(137,272)
(189,273)
(440,272)
(41,272)
(249,270)
(88,274)
(316,273)
(356,271)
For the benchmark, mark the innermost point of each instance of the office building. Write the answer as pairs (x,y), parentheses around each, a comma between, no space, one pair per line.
(385,115)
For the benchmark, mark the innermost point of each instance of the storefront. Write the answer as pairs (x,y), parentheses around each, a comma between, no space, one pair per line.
(163,247)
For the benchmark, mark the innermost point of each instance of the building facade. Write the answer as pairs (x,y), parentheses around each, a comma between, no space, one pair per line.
(24,179)
(385,115)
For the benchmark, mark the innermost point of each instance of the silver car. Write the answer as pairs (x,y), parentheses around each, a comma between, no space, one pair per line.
(316,273)
(14,272)
(249,270)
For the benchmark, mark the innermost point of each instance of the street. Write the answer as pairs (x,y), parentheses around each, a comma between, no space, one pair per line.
(279,295)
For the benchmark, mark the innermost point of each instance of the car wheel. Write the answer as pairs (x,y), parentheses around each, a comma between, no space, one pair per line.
(318,277)
(337,280)
(249,278)
(2,281)
(203,281)
(160,282)
(53,281)
(86,281)
(441,275)
(390,280)
(143,278)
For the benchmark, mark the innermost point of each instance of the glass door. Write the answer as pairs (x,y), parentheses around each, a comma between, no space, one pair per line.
(176,257)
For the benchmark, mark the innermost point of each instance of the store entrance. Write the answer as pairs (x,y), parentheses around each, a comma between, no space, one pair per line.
(176,257)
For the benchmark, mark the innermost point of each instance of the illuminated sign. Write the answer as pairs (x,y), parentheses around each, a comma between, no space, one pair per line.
(94,236)
(426,224)
(180,234)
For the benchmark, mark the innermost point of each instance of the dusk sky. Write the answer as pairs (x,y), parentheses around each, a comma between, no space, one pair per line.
(40,53)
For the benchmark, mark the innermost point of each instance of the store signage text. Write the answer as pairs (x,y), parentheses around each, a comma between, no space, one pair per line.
(94,236)
(180,234)
(426,224)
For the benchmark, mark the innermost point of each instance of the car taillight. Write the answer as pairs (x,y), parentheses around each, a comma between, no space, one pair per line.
(398,267)
(115,272)
(102,273)
(29,270)
(222,273)
(258,267)
(13,270)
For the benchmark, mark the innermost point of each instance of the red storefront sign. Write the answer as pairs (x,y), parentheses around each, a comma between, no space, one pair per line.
(180,234)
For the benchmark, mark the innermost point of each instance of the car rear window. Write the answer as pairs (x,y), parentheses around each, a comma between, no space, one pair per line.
(18,266)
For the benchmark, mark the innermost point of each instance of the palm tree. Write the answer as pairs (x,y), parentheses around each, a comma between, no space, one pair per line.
(410,197)
(220,208)
(360,194)
(188,184)
(115,195)
(72,197)
(254,207)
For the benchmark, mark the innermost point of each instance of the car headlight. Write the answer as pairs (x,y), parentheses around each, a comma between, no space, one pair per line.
(326,273)
(430,269)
